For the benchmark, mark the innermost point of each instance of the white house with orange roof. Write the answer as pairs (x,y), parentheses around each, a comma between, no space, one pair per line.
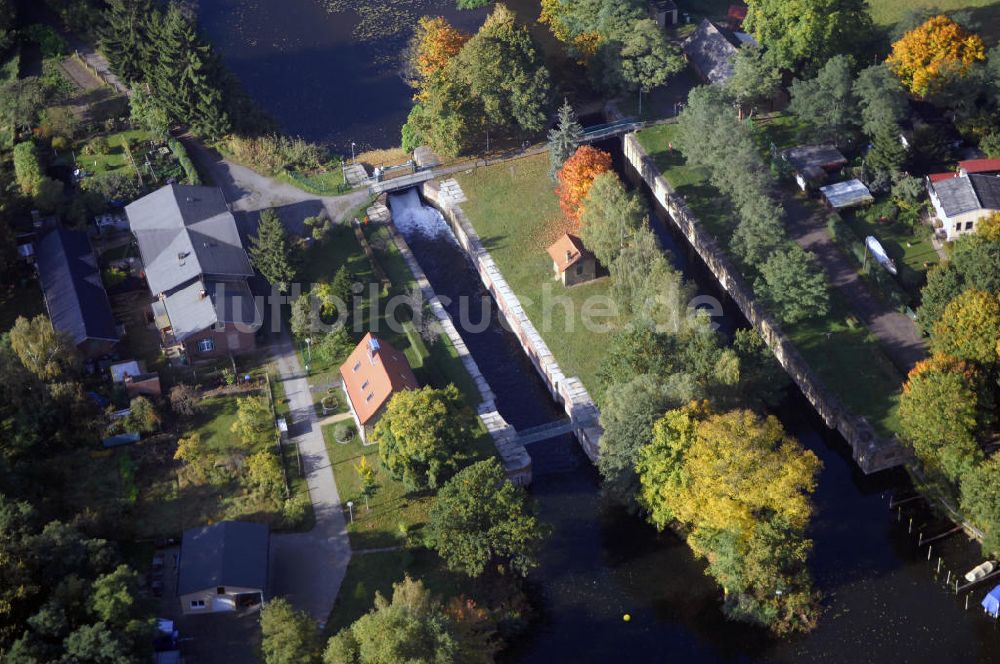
(372,374)
(571,261)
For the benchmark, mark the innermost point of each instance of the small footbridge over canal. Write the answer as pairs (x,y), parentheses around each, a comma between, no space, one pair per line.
(545,432)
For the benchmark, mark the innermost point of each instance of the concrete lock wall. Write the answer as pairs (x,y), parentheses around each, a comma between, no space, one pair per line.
(871,452)
(567,391)
(516,460)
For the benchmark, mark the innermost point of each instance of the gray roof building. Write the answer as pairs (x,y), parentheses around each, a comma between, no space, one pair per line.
(75,297)
(225,554)
(968,193)
(203,303)
(710,52)
(185,232)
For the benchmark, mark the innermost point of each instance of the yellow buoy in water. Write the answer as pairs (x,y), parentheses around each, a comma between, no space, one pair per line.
(626,617)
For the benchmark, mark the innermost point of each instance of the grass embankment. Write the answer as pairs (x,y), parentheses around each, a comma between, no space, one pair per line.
(984,15)
(841,350)
(513,208)
(434,362)
(321,183)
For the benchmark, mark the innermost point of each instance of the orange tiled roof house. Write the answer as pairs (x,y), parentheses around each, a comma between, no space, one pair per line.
(571,261)
(372,374)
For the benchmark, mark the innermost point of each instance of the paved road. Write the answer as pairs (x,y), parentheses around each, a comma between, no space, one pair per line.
(249,191)
(308,568)
(897,334)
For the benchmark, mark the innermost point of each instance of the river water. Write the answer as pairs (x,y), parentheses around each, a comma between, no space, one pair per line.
(882,599)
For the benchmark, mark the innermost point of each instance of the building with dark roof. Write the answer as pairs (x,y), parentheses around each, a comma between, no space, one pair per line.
(197,270)
(960,202)
(710,52)
(664,12)
(75,298)
(223,566)
(813,163)
(371,375)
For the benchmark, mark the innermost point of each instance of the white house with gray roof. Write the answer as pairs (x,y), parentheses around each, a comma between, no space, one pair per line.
(960,202)
(223,567)
(197,270)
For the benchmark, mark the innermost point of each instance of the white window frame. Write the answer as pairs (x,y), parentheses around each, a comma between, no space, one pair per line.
(206,345)
(197,604)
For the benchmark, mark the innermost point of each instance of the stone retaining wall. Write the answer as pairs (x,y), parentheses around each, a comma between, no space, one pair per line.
(568,391)
(871,452)
(516,460)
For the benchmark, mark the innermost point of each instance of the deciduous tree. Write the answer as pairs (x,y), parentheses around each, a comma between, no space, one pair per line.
(435,42)
(938,413)
(806,33)
(755,78)
(792,283)
(923,57)
(647,59)
(42,350)
(253,424)
(288,636)
(577,176)
(414,626)
(610,217)
(981,501)
(827,104)
(423,435)
(628,412)
(969,328)
(482,521)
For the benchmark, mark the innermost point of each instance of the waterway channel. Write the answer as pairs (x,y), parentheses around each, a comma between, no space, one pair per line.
(882,602)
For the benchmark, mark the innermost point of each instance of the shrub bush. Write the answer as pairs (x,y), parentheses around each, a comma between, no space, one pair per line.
(273,153)
(190,172)
(99,145)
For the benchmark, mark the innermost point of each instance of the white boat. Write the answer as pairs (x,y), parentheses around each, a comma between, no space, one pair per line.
(878,251)
(979,571)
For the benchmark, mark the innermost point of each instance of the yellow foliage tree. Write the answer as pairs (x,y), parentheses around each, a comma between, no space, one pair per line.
(969,329)
(739,466)
(988,228)
(924,56)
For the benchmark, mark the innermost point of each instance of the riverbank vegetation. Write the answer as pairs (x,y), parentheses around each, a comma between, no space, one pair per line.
(949,400)
(656,356)
(463,95)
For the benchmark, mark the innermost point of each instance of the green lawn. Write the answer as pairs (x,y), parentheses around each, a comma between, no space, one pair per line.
(393,508)
(322,183)
(908,245)
(847,358)
(984,13)
(434,363)
(513,207)
(115,159)
(843,354)
(691,182)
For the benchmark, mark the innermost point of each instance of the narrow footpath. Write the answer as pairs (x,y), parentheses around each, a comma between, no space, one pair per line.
(308,568)
(897,334)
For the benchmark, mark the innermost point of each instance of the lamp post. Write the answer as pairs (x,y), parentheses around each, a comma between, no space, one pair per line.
(353,160)
(350,509)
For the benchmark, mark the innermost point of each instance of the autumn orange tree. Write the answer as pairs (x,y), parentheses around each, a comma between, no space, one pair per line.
(434,44)
(577,176)
(924,56)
